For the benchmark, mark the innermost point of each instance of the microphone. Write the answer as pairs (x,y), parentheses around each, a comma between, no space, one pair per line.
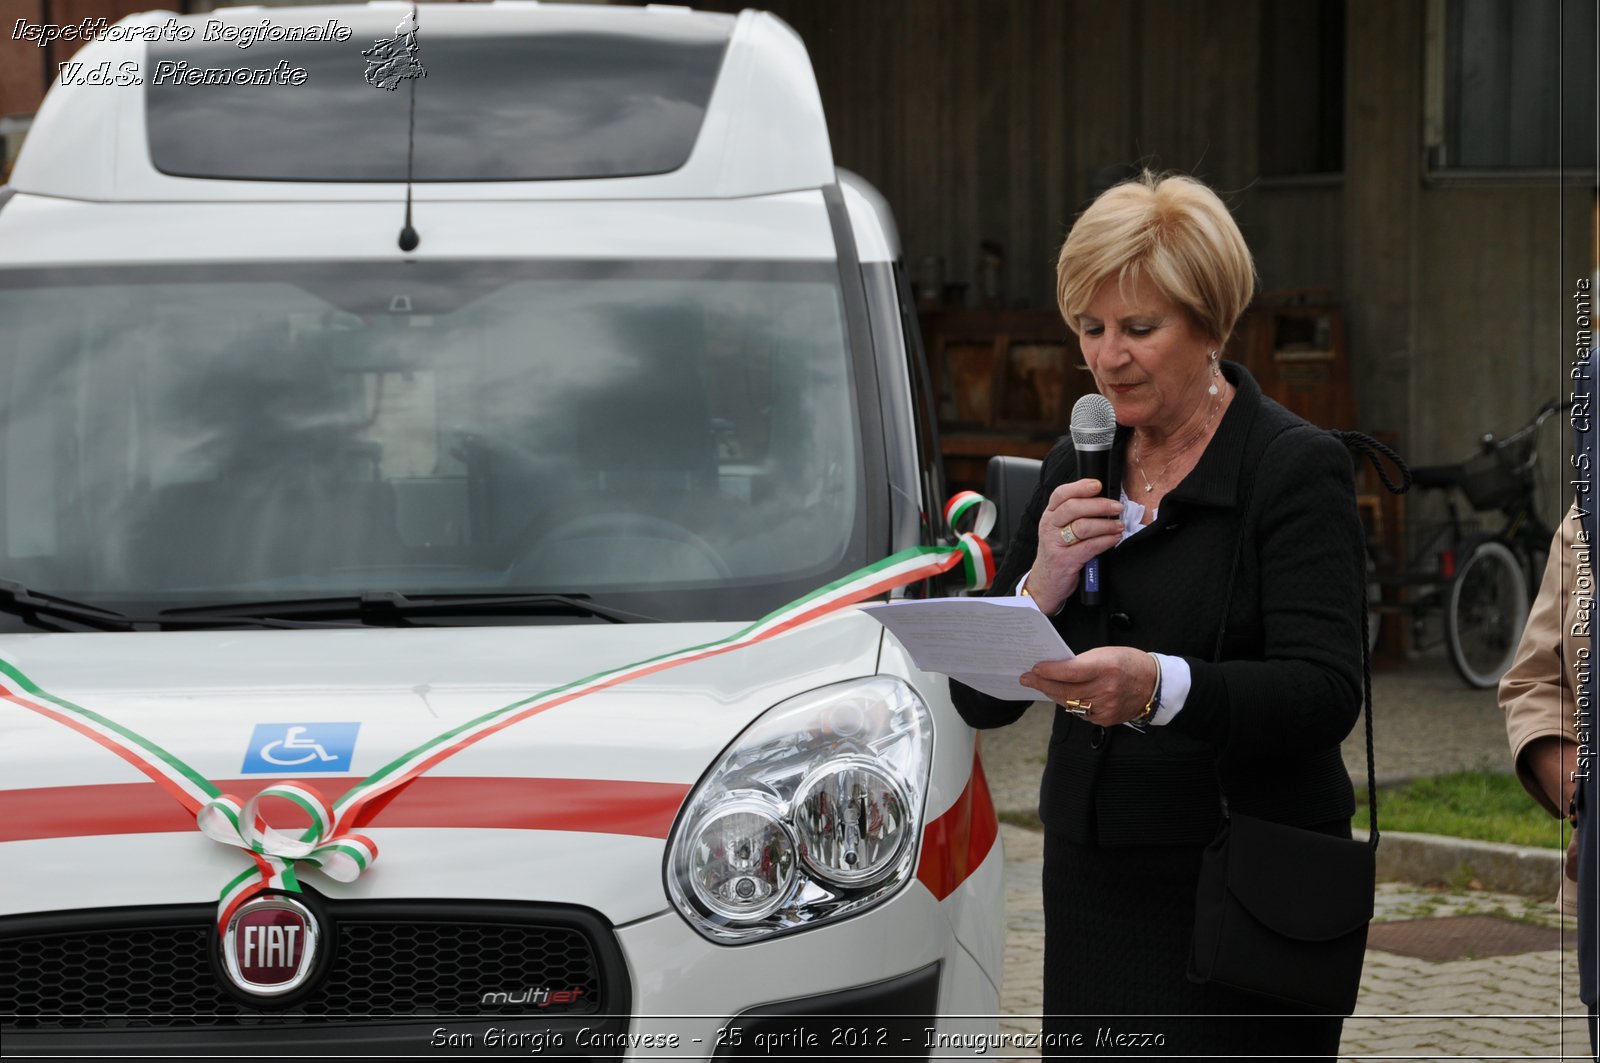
(1094,425)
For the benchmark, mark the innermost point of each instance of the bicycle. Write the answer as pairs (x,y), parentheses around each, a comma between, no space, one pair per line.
(1479,583)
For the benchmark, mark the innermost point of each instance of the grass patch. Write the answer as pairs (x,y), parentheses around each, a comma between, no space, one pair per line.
(1031,820)
(1468,804)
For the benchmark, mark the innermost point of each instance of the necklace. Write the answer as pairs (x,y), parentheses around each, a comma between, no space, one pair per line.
(1199,433)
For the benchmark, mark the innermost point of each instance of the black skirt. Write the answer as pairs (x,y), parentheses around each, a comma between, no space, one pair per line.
(1118,925)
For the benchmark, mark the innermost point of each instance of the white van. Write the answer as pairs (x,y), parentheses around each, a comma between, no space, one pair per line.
(439,540)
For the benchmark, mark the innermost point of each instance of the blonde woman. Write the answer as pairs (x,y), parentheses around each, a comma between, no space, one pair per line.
(1224,501)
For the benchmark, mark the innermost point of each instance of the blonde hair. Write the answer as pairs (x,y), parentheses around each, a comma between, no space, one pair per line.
(1171,231)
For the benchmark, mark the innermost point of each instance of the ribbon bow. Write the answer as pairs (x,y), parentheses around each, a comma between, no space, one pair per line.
(341,857)
(977,562)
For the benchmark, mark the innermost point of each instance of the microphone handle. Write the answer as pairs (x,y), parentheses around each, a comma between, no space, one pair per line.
(1094,465)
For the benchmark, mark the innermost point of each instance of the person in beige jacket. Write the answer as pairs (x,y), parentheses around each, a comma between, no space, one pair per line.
(1538,692)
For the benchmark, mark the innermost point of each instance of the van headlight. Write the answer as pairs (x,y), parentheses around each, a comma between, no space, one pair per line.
(811,815)
(741,860)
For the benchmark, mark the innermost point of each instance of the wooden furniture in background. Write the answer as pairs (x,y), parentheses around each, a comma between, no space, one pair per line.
(1293,344)
(1004,382)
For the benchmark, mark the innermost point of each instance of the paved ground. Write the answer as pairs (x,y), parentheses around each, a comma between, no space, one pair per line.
(1426,721)
(1473,1007)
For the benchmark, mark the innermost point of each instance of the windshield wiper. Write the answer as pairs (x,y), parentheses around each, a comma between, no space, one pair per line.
(35,606)
(396,609)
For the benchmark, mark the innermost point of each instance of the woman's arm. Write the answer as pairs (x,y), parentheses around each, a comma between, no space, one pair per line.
(1535,691)
(1304,692)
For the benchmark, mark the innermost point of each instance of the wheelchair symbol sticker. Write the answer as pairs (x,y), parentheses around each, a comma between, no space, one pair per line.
(300,747)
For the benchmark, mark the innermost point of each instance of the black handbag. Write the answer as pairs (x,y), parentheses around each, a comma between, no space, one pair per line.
(1281,911)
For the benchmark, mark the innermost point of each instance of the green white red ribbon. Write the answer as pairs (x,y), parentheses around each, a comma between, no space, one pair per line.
(977,561)
(225,819)
(330,842)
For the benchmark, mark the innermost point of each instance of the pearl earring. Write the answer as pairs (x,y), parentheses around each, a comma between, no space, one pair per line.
(1212,390)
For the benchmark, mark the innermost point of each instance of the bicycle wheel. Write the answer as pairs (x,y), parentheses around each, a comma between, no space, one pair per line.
(1484,613)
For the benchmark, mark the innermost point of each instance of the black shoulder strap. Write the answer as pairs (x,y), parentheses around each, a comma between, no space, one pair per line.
(1371,449)
(1244,520)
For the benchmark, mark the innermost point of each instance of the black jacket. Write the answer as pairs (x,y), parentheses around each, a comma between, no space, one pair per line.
(1271,711)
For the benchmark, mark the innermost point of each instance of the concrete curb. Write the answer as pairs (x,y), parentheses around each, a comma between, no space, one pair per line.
(1433,859)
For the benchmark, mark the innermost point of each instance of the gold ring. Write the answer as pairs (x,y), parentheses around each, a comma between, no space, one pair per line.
(1068,536)
(1080,707)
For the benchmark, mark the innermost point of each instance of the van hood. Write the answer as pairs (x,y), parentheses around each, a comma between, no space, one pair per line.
(572,805)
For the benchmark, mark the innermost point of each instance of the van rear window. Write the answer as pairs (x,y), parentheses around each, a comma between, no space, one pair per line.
(513,107)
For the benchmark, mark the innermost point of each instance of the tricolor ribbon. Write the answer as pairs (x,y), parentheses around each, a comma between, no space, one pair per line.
(225,819)
(331,844)
(977,560)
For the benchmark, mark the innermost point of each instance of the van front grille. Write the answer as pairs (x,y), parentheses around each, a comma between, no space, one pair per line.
(155,968)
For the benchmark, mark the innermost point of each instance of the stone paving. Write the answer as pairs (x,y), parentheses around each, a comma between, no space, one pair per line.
(1502,1007)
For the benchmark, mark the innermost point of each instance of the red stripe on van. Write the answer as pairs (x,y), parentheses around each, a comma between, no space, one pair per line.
(600,806)
(957,842)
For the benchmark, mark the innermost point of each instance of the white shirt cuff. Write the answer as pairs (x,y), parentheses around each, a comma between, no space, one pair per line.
(1175,682)
(1175,676)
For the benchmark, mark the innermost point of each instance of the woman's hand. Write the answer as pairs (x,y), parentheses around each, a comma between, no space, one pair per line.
(1096,526)
(1112,684)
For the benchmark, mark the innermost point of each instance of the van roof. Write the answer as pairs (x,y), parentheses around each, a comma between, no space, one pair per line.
(514,100)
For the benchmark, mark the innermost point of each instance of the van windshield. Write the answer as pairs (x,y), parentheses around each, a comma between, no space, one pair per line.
(679,438)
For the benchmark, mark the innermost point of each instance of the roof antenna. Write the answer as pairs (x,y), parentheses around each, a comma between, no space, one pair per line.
(390,62)
(409,238)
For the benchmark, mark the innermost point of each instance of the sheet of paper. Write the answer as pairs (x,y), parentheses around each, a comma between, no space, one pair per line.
(984,642)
